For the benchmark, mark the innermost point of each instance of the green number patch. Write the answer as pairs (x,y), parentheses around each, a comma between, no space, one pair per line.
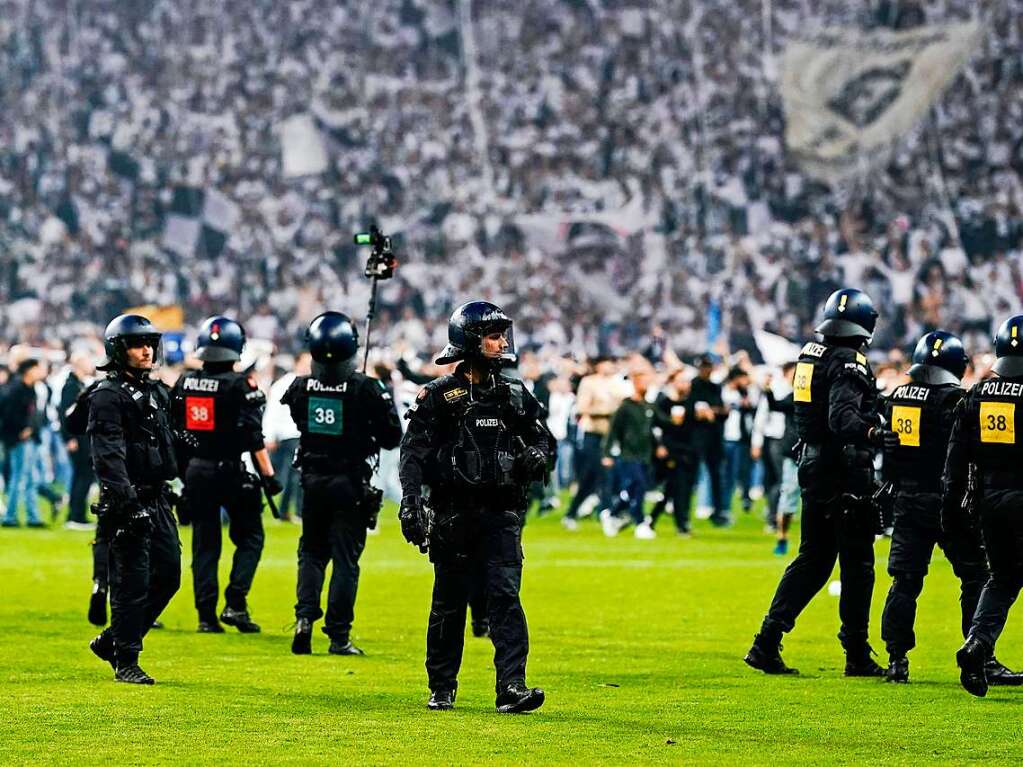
(325,416)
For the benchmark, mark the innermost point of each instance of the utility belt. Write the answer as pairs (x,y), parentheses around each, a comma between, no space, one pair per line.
(319,463)
(233,466)
(1001,479)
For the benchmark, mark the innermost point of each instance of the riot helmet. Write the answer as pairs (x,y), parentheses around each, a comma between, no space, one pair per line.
(333,341)
(469,325)
(848,313)
(220,339)
(1009,348)
(128,331)
(939,358)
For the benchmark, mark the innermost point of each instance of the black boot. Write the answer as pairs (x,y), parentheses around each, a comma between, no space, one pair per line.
(999,676)
(971,659)
(98,604)
(210,625)
(441,700)
(103,648)
(343,647)
(859,661)
(302,644)
(240,620)
(898,669)
(132,674)
(516,698)
(765,655)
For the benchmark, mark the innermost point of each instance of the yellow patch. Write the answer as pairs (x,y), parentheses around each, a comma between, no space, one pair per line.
(861,358)
(454,394)
(906,423)
(801,382)
(998,422)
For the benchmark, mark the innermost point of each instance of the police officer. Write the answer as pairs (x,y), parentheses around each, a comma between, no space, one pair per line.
(475,441)
(221,410)
(837,419)
(345,418)
(133,454)
(984,434)
(921,413)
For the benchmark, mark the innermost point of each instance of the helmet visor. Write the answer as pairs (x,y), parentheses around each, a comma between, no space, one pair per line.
(497,343)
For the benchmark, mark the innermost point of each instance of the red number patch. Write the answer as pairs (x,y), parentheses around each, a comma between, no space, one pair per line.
(199,414)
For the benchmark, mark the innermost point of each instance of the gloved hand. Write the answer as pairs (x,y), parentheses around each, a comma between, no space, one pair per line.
(532,463)
(883,438)
(272,485)
(414,521)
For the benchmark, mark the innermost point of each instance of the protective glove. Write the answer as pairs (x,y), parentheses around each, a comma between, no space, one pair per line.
(532,463)
(414,521)
(886,439)
(272,485)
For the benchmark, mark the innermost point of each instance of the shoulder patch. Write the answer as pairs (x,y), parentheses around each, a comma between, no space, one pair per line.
(455,394)
(861,358)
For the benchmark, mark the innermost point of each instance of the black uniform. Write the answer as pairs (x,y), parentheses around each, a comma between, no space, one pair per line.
(223,412)
(835,407)
(462,443)
(133,455)
(922,414)
(343,426)
(988,433)
(681,466)
(82,475)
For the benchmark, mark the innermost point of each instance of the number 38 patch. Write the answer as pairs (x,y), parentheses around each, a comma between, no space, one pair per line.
(906,423)
(325,416)
(200,413)
(998,422)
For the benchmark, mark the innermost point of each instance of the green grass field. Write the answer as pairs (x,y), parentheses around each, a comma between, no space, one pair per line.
(638,644)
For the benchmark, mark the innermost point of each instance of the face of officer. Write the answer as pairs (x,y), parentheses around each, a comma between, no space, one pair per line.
(495,344)
(140,355)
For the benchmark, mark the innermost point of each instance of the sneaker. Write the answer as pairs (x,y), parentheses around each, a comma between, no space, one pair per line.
(569,524)
(103,648)
(240,620)
(588,507)
(781,548)
(302,643)
(344,648)
(971,659)
(609,524)
(133,675)
(98,605)
(898,669)
(516,698)
(38,524)
(644,532)
(82,526)
(766,656)
(441,700)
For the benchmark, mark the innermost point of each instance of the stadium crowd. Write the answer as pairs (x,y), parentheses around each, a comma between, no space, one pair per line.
(489,136)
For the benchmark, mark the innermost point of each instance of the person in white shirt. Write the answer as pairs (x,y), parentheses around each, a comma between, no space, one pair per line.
(282,438)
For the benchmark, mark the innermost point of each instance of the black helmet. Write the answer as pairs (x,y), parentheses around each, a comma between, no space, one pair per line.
(333,341)
(848,313)
(124,331)
(221,339)
(468,325)
(939,358)
(1009,348)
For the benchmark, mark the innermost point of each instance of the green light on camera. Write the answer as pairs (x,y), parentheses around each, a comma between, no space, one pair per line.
(363,239)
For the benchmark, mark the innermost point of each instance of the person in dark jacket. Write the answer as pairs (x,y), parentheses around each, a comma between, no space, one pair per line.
(19,431)
(82,475)
(676,453)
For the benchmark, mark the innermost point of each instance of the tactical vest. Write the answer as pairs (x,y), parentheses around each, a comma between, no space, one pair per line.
(149,442)
(916,413)
(332,423)
(210,405)
(995,407)
(482,454)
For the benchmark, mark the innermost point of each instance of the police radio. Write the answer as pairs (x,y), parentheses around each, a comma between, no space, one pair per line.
(379,266)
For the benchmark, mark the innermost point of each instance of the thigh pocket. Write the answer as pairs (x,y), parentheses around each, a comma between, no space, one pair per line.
(447,540)
(506,541)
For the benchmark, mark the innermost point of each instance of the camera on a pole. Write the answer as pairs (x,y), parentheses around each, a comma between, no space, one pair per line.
(381,262)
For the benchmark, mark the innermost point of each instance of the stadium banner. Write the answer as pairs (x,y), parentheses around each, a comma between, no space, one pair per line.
(849,95)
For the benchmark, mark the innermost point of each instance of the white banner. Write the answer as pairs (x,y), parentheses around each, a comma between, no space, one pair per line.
(849,95)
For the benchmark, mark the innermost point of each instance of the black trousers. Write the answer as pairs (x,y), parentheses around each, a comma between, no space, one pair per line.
(145,572)
(679,484)
(829,533)
(1001,517)
(483,545)
(82,478)
(101,558)
(333,530)
(590,472)
(917,531)
(207,491)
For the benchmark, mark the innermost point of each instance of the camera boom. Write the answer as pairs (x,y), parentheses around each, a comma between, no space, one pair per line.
(379,266)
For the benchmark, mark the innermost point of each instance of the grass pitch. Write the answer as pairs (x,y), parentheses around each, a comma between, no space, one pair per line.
(638,644)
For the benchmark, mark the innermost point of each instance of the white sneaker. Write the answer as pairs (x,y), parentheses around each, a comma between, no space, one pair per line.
(588,506)
(569,524)
(704,512)
(69,525)
(644,532)
(609,523)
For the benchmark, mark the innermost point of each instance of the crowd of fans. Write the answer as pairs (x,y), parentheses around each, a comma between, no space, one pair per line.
(493,137)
